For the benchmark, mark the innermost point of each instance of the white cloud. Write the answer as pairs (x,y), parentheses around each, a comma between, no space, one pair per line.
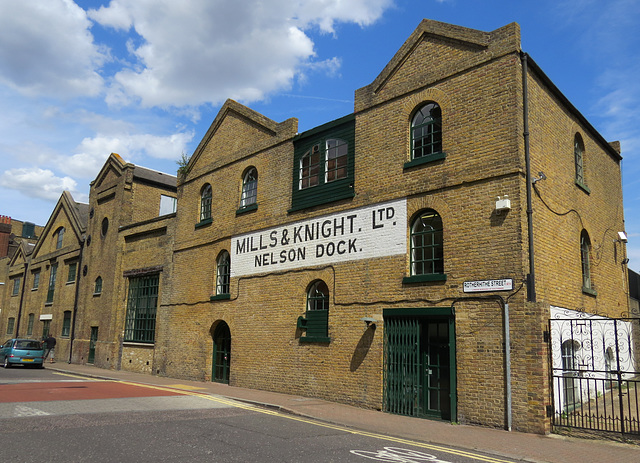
(37,183)
(46,48)
(204,51)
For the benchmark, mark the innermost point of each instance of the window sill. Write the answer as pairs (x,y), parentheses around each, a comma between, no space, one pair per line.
(48,303)
(204,223)
(245,209)
(589,291)
(583,187)
(425,278)
(315,339)
(425,160)
(71,282)
(137,344)
(96,294)
(220,297)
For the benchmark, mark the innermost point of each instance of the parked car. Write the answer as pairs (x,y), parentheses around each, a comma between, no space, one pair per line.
(29,352)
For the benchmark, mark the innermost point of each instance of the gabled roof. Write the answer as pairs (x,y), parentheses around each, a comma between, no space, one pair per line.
(77,215)
(253,118)
(117,167)
(25,249)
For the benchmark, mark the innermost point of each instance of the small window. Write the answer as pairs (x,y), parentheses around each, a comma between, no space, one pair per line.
(16,286)
(97,289)
(317,313)
(59,236)
(73,268)
(66,324)
(223,274)
(168,205)
(36,280)
(10,324)
(426,131)
(427,257)
(28,230)
(205,203)
(249,188)
(104,227)
(578,152)
(32,318)
(585,258)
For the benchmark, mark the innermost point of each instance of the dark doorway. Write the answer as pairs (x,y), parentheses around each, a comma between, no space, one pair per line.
(221,353)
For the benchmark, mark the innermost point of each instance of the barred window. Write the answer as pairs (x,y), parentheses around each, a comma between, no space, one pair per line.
(427,244)
(426,131)
(142,302)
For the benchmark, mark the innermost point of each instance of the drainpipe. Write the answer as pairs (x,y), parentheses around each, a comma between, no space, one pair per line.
(507,364)
(531,278)
(75,302)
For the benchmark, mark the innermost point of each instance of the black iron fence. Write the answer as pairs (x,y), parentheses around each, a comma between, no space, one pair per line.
(596,379)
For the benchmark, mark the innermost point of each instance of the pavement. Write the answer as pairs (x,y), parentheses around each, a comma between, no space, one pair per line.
(512,445)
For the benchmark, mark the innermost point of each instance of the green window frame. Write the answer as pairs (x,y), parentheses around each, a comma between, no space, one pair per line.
(578,155)
(427,248)
(52,283)
(71,276)
(97,288)
(316,320)
(15,290)
(142,302)
(324,164)
(66,324)
(249,194)
(223,273)
(36,280)
(426,134)
(10,325)
(206,195)
(59,236)
(30,322)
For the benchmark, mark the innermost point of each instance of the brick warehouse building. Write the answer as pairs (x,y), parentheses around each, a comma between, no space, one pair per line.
(406,257)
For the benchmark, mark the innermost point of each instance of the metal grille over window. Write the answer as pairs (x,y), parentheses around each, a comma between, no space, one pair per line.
(426,244)
(140,324)
(426,131)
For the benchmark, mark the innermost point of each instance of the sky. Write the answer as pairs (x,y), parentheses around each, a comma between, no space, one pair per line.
(145,78)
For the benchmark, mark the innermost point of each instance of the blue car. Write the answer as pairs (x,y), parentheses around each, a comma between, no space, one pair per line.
(29,352)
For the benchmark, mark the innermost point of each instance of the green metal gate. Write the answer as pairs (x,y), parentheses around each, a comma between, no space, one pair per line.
(420,363)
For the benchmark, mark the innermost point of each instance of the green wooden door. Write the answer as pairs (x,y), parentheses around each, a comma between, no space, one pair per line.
(221,353)
(92,344)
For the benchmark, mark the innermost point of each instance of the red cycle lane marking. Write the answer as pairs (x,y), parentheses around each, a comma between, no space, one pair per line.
(43,392)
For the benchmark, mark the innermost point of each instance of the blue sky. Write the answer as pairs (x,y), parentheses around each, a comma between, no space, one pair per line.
(145,78)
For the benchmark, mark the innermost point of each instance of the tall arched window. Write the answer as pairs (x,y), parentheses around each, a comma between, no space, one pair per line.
(223,269)
(249,188)
(427,256)
(205,203)
(426,131)
(578,152)
(59,236)
(585,252)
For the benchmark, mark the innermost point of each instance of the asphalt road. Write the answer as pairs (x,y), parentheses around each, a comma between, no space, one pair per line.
(50,417)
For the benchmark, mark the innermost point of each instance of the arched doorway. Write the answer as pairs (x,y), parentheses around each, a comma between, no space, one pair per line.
(221,353)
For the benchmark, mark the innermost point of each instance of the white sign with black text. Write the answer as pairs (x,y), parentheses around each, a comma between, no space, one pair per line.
(364,233)
(488,285)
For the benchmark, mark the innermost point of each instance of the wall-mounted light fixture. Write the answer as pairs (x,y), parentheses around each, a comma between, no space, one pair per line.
(541,176)
(622,237)
(625,261)
(503,203)
(370,321)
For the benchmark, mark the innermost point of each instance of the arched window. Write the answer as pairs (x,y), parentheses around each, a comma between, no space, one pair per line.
(585,252)
(97,289)
(578,152)
(223,269)
(426,131)
(59,235)
(205,203)
(310,168)
(317,313)
(336,159)
(570,391)
(249,188)
(427,256)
